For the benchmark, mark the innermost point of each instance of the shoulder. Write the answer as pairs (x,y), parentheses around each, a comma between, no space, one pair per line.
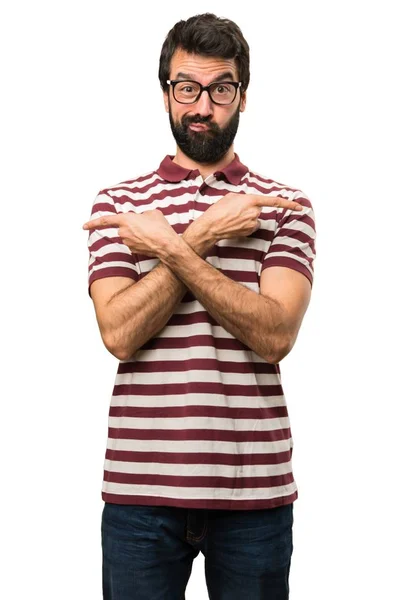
(138,183)
(265,185)
(126,195)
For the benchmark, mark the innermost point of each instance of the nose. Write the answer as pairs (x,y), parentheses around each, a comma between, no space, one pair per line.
(204,106)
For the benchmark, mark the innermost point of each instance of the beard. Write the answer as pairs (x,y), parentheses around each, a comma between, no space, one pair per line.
(208,146)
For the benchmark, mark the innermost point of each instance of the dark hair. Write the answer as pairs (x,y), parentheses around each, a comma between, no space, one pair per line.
(206,35)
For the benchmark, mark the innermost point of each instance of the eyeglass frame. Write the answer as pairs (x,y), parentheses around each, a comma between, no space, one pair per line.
(236,84)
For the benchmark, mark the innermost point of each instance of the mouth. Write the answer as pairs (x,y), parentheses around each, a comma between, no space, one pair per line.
(198,127)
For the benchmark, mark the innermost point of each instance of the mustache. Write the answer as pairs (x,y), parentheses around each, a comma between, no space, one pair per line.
(186,121)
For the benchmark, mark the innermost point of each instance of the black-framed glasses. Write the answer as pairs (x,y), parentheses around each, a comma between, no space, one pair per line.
(189,91)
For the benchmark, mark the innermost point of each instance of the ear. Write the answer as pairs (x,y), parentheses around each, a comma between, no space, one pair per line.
(243,101)
(166,104)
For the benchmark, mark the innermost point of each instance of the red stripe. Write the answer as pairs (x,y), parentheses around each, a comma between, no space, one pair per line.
(198,481)
(173,412)
(103,207)
(196,387)
(113,272)
(203,364)
(271,182)
(157,196)
(284,248)
(194,341)
(194,458)
(218,435)
(105,241)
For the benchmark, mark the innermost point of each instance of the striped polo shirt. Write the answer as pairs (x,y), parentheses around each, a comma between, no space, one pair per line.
(197,419)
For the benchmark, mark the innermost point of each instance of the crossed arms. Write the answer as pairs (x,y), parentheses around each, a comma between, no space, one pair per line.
(130,313)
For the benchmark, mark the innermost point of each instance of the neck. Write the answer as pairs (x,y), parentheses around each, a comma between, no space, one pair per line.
(205,169)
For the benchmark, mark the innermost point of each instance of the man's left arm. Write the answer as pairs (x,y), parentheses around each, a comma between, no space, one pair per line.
(268,323)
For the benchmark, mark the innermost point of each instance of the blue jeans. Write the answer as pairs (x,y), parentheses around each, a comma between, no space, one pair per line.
(148,552)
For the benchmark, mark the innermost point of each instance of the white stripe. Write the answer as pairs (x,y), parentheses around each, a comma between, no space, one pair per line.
(253,177)
(148,265)
(197,352)
(247,243)
(201,470)
(179,331)
(300,194)
(196,493)
(208,423)
(197,446)
(148,178)
(199,376)
(112,248)
(302,261)
(292,243)
(113,264)
(103,198)
(297,226)
(199,400)
(156,189)
(249,265)
(229,264)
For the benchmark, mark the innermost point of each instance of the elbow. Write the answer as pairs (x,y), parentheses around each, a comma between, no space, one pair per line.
(117,350)
(280,349)
(120,353)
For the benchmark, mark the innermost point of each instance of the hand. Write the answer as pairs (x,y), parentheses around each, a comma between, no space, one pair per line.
(236,215)
(145,233)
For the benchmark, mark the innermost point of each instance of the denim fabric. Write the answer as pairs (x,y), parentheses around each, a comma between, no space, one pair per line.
(148,552)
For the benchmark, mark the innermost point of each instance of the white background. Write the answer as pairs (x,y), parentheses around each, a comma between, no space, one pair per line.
(82,109)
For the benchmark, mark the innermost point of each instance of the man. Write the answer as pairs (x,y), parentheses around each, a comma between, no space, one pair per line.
(200,273)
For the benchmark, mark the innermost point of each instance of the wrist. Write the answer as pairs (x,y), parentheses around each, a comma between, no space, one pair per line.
(199,237)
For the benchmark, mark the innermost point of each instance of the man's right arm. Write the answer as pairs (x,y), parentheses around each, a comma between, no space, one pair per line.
(130,313)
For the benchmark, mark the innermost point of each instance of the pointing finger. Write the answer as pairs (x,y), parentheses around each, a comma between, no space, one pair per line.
(278,202)
(108,221)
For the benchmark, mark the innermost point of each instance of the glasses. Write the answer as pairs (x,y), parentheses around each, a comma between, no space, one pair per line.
(189,92)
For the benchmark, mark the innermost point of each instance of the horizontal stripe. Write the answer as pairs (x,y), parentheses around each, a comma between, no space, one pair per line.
(199,446)
(202,470)
(198,400)
(172,377)
(198,482)
(166,351)
(218,491)
(203,364)
(138,182)
(210,502)
(112,272)
(158,413)
(220,435)
(195,341)
(199,458)
(196,387)
(178,422)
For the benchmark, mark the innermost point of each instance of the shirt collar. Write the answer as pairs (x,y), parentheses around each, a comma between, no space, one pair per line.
(173,172)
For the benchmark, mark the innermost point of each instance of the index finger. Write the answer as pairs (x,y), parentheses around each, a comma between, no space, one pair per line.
(108,221)
(278,202)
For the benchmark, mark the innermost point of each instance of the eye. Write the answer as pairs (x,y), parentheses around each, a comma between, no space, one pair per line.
(223,89)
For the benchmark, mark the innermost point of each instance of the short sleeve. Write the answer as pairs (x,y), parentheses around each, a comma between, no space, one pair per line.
(108,256)
(293,244)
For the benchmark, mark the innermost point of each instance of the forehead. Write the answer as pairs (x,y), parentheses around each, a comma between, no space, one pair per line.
(202,68)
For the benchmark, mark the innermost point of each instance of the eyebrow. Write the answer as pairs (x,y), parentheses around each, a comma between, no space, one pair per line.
(222,77)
